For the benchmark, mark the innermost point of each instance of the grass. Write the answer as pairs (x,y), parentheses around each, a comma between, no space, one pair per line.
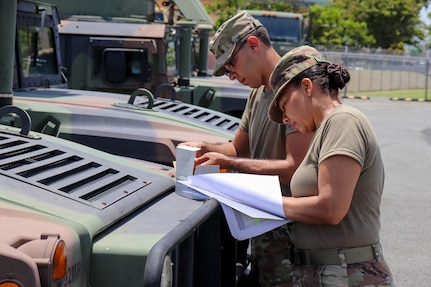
(401,94)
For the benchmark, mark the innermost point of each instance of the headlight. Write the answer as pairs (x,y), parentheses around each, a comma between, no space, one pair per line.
(166,280)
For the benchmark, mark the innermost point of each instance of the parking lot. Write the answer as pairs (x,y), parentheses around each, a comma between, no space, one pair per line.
(404,132)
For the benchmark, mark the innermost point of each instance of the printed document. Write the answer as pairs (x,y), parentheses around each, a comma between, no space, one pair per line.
(252,203)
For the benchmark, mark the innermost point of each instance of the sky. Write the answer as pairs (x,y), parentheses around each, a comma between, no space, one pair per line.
(423,15)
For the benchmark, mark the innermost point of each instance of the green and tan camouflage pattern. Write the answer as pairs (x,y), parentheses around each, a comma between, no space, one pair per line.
(290,65)
(374,273)
(271,256)
(228,35)
(273,264)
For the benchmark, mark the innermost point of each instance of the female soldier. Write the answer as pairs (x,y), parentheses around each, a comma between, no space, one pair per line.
(337,189)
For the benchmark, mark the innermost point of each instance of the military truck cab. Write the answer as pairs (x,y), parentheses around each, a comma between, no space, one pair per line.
(38,47)
(138,125)
(286,29)
(120,48)
(99,57)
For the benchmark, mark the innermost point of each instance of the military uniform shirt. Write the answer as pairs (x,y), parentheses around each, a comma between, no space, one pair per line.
(267,138)
(345,131)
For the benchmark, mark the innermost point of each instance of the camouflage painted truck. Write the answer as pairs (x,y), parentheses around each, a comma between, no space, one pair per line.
(136,125)
(74,216)
(71,215)
(286,29)
(119,47)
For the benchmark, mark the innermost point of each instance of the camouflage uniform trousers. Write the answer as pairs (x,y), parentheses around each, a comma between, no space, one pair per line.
(373,273)
(270,254)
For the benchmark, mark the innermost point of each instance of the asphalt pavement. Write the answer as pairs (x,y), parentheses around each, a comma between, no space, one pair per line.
(403,129)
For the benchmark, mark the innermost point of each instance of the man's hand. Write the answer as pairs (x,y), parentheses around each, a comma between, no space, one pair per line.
(213,158)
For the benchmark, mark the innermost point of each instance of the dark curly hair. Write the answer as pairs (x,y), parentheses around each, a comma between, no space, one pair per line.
(330,77)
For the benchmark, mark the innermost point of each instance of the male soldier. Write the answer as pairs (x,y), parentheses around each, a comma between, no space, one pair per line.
(244,52)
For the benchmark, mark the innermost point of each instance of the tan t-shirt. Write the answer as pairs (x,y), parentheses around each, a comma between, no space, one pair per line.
(267,138)
(345,131)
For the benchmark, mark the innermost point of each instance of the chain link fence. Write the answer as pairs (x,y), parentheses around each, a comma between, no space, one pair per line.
(377,72)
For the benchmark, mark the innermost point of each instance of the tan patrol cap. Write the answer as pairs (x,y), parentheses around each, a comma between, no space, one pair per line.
(230,33)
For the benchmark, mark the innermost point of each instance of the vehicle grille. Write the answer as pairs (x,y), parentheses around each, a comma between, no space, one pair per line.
(207,116)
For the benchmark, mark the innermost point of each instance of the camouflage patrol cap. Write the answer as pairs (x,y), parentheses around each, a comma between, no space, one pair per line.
(290,65)
(230,33)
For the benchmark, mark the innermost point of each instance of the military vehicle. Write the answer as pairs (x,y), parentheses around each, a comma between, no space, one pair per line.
(286,29)
(72,215)
(120,47)
(139,125)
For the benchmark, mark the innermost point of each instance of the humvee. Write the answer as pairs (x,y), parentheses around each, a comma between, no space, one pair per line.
(119,47)
(71,215)
(139,125)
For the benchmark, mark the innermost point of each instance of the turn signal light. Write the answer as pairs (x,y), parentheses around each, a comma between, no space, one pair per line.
(59,261)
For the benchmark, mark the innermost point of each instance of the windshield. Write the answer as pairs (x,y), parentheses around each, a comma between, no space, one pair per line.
(37,50)
(282,29)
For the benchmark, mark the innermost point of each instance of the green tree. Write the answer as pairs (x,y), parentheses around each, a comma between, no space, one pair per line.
(389,24)
(329,27)
(224,9)
(427,29)
(392,23)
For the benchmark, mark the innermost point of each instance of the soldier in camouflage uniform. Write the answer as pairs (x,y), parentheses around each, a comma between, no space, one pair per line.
(244,52)
(337,189)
